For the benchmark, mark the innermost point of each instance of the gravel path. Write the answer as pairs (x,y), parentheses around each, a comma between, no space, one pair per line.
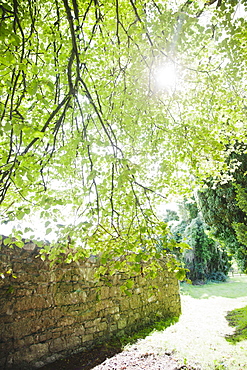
(135,360)
(197,341)
(199,336)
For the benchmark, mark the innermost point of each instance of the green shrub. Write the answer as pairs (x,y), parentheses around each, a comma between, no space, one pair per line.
(217,276)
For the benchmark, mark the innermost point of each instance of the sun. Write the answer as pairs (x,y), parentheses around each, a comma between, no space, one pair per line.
(166,76)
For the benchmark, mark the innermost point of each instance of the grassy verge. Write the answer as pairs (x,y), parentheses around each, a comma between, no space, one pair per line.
(143,332)
(237,318)
(235,287)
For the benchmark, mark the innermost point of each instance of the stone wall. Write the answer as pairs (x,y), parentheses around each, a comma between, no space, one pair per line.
(48,313)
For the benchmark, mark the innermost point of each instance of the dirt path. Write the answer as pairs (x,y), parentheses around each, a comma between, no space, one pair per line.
(196,341)
(135,360)
(199,336)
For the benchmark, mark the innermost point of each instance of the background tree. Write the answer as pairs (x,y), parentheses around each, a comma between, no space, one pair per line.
(241,228)
(170,215)
(222,204)
(207,259)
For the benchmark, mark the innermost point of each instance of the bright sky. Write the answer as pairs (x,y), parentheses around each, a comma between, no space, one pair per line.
(166,76)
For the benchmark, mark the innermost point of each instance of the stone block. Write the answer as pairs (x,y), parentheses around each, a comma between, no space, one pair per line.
(31,302)
(100,305)
(42,289)
(66,321)
(57,345)
(121,323)
(113,327)
(114,291)
(73,341)
(57,333)
(31,353)
(135,301)
(105,292)
(79,330)
(55,312)
(56,275)
(21,328)
(112,310)
(87,338)
(102,326)
(81,295)
(92,323)
(88,274)
(125,303)
(43,337)
(152,298)
(47,322)
(90,330)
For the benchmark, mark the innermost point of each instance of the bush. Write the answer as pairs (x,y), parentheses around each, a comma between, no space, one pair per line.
(217,276)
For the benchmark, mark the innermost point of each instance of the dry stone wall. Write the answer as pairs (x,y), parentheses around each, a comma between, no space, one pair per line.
(48,313)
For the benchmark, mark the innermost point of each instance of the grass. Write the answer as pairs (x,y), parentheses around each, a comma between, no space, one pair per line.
(238,319)
(235,287)
(143,332)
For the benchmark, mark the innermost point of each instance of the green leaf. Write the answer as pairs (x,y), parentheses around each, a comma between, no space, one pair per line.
(19,243)
(138,257)
(48,231)
(15,39)
(129,284)
(33,87)
(38,134)
(181,274)
(34,69)
(7,241)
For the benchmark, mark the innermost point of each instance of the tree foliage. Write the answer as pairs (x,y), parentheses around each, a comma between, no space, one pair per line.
(206,259)
(223,206)
(170,215)
(85,128)
(240,227)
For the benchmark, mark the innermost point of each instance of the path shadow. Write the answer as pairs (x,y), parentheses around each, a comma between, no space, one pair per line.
(84,360)
(89,359)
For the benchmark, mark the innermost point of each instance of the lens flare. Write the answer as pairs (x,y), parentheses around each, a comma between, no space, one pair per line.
(166,76)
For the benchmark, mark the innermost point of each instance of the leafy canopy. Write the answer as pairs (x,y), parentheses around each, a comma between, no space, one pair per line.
(87,130)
